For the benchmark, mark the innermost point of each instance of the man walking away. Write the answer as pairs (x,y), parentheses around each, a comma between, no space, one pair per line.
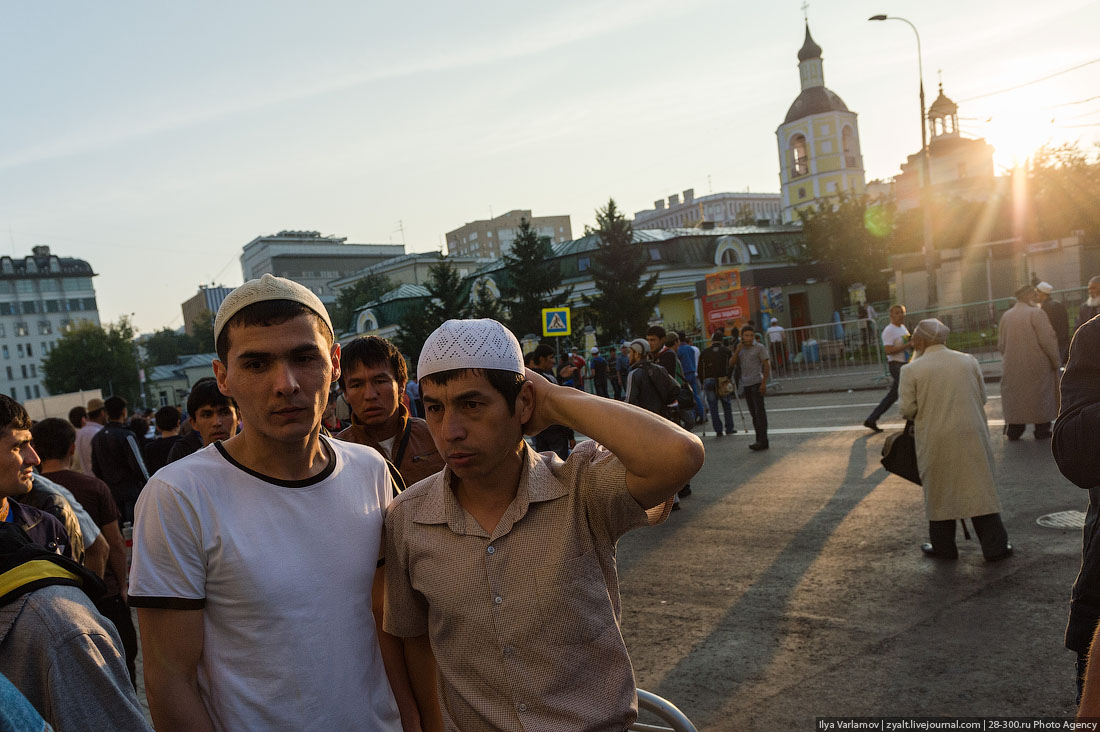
(95,418)
(942,391)
(373,373)
(714,369)
(1074,449)
(622,365)
(54,441)
(254,558)
(1030,361)
(1091,307)
(597,368)
(777,345)
(895,342)
(116,458)
(167,420)
(755,370)
(1056,313)
(556,438)
(500,570)
(689,363)
(613,373)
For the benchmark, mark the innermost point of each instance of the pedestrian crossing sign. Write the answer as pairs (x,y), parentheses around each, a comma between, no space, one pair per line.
(555,322)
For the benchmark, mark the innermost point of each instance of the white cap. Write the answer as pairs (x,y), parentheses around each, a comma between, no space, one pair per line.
(595,350)
(269,287)
(470,344)
(932,330)
(1045,288)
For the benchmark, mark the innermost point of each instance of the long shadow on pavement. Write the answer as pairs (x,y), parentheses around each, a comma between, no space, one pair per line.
(729,665)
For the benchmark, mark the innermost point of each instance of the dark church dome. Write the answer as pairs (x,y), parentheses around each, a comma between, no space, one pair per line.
(815,100)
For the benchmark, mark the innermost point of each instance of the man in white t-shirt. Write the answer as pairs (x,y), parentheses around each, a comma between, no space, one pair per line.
(776,343)
(895,342)
(254,558)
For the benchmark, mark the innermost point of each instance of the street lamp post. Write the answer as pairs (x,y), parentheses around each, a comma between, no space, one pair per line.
(926,171)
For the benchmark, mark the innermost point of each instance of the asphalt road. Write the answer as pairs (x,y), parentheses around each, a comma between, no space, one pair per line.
(791,586)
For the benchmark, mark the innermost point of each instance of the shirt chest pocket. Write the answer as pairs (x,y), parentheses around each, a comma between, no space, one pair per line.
(574,606)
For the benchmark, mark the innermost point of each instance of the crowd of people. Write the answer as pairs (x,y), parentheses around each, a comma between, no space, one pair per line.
(471,573)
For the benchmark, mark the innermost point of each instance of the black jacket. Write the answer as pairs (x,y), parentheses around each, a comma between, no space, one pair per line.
(117,461)
(650,387)
(1059,320)
(714,362)
(1074,447)
(1086,313)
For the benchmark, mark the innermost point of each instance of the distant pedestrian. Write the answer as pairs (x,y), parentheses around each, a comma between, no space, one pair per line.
(95,418)
(1091,307)
(117,460)
(1030,361)
(895,342)
(943,392)
(597,369)
(613,374)
(777,343)
(212,415)
(714,370)
(167,420)
(622,365)
(416,405)
(689,362)
(755,369)
(1056,312)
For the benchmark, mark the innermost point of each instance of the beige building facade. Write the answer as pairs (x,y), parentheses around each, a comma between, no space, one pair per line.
(492,238)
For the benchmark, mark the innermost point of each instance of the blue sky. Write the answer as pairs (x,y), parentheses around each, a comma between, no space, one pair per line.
(155,140)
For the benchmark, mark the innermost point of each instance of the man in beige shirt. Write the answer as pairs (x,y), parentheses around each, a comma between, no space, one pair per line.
(500,570)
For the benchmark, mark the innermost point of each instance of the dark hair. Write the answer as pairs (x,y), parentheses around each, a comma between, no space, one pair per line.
(139,425)
(205,393)
(167,418)
(507,383)
(266,313)
(77,415)
(52,438)
(12,414)
(747,326)
(374,351)
(682,335)
(541,351)
(656,330)
(115,407)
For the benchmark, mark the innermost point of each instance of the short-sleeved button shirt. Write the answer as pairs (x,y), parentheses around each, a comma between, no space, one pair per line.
(524,621)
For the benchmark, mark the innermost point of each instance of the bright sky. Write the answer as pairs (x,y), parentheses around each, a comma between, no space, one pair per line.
(155,140)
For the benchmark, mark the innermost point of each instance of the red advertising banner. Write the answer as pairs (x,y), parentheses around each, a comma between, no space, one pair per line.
(726,304)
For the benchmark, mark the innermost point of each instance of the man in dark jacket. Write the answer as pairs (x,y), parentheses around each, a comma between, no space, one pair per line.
(1075,451)
(116,458)
(1056,313)
(373,374)
(714,365)
(648,384)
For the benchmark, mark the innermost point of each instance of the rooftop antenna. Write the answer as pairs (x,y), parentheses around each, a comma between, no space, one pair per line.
(401,228)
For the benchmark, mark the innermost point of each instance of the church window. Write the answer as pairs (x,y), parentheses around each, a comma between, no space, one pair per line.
(848,139)
(801,192)
(799,159)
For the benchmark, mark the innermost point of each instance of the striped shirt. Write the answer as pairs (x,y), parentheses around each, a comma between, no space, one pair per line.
(524,621)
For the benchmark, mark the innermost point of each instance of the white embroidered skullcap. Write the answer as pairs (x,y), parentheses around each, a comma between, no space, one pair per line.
(1045,287)
(470,344)
(268,287)
(932,330)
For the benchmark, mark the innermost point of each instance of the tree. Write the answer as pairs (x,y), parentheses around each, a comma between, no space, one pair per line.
(203,329)
(92,357)
(446,299)
(486,304)
(533,276)
(852,236)
(745,216)
(368,289)
(623,302)
(1064,184)
(165,346)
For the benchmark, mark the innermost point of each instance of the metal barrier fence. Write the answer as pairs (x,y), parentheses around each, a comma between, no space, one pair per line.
(842,348)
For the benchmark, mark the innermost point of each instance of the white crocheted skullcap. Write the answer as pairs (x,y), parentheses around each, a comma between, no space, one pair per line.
(1045,287)
(641,345)
(268,287)
(470,344)
(932,330)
